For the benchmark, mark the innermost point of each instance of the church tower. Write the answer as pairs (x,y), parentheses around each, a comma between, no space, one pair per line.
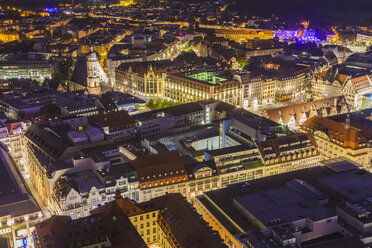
(93,73)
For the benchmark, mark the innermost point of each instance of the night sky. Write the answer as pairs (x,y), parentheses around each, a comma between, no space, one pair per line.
(321,11)
(347,11)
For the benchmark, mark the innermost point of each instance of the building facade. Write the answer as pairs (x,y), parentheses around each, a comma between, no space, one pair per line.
(346,135)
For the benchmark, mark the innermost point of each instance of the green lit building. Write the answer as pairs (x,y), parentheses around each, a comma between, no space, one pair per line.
(195,86)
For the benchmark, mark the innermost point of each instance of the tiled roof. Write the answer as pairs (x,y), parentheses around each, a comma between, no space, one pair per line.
(114,119)
(310,109)
(159,166)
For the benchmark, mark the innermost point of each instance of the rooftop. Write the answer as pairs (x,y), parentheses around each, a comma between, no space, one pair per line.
(289,196)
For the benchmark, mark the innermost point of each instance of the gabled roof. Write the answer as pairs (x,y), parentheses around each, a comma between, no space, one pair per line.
(308,108)
(80,73)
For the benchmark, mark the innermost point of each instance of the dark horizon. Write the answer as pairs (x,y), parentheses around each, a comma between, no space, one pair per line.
(319,12)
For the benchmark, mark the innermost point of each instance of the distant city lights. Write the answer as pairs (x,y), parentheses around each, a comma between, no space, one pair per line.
(51,10)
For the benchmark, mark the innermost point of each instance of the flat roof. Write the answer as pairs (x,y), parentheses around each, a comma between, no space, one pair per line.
(274,197)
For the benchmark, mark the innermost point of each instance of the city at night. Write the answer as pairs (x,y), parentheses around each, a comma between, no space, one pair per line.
(185,123)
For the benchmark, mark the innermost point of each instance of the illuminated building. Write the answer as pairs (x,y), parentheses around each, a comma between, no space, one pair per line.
(143,79)
(293,116)
(262,52)
(347,135)
(88,74)
(101,47)
(290,83)
(354,78)
(9,37)
(18,210)
(159,174)
(235,164)
(323,88)
(256,89)
(77,193)
(255,213)
(276,78)
(302,34)
(196,86)
(127,2)
(268,90)
(110,228)
(240,35)
(118,125)
(364,37)
(168,221)
(11,136)
(27,66)
(341,52)
(48,145)
(20,108)
(288,153)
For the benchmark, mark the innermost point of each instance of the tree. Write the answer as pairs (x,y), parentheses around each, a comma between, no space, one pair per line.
(151,104)
(242,61)
(63,70)
(189,55)
(348,36)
